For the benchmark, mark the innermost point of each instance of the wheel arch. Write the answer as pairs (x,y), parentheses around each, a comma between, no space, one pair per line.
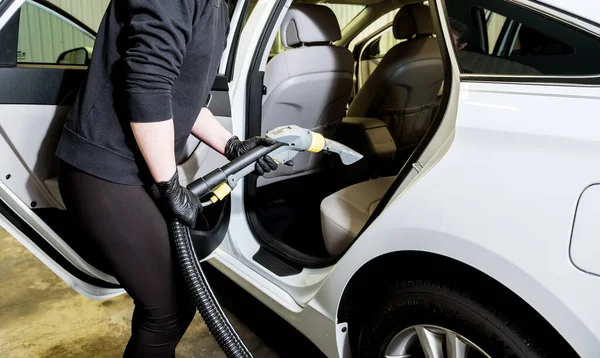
(374,274)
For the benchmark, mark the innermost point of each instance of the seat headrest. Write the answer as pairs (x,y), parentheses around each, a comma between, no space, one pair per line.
(309,23)
(412,19)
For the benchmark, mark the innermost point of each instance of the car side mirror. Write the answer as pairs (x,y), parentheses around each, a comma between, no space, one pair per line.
(76,56)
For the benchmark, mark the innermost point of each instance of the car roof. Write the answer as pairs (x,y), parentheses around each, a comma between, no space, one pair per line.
(586,9)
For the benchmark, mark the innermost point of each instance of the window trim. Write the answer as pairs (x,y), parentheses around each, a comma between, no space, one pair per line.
(230,53)
(551,13)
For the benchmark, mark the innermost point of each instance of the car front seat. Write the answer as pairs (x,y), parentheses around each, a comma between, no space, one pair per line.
(309,84)
(345,212)
(403,89)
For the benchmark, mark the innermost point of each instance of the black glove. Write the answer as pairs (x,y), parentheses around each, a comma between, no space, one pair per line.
(235,148)
(178,202)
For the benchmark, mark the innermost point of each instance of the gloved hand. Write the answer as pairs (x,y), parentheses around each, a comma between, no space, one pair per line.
(178,202)
(235,148)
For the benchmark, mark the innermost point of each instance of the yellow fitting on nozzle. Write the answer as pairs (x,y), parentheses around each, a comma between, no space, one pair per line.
(220,192)
(317,144)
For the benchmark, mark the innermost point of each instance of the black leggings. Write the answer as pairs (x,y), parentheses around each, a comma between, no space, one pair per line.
(126,225)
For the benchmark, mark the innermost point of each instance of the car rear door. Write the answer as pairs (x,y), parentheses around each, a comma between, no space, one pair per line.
(518,168)
(44,52)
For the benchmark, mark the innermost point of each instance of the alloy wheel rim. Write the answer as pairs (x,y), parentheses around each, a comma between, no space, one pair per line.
(430,341)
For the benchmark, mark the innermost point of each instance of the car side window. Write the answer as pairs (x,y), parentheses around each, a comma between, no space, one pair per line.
(494,24)
(47,37)
(526,42)
(499,38)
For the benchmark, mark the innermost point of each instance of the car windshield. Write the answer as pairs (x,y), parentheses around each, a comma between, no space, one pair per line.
(345,12)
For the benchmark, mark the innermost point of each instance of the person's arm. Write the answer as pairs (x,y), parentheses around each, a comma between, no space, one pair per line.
(208,130)
(158,33)
(157,36)
(156,142)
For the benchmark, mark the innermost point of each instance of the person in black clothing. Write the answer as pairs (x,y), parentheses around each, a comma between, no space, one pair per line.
(460,33)
(153,65)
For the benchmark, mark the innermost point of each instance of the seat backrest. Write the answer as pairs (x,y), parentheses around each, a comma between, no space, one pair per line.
(308,84)
(403,89)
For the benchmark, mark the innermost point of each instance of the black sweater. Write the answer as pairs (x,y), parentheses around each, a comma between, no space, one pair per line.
(153,60)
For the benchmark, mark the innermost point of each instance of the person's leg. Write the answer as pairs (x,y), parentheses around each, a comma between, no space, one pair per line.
(129,229)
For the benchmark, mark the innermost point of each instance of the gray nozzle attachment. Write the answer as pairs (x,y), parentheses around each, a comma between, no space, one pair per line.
(347,155)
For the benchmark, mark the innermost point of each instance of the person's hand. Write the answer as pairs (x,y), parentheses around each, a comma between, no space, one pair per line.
(178,201)
(235,148)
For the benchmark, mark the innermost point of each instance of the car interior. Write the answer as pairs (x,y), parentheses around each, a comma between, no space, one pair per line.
(307,214)
(317,207)
(379,94)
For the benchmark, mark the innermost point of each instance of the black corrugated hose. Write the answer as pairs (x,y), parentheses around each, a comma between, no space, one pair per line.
(202,295)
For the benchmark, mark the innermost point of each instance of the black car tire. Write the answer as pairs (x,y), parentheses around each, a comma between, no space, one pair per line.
(430,303)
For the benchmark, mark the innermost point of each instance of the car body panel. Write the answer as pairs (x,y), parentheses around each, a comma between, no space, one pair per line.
(508,163)
(584,9)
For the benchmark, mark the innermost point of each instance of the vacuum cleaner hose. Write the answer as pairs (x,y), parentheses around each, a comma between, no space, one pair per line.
(202,295)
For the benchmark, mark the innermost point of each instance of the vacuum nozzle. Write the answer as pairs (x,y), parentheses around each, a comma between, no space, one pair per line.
(347,155)
(299,139)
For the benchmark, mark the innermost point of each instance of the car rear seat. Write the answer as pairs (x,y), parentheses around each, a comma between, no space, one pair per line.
(403,89)
(345,212)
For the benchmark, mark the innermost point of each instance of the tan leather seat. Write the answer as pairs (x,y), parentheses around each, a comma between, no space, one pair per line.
(403,89)
(344,213)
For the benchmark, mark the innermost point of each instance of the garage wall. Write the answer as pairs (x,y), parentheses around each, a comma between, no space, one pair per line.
(89,12)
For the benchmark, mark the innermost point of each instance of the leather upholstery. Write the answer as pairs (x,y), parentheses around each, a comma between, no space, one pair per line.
(308,86)
(308,24)
(404,87)
(412,20)
(344,213)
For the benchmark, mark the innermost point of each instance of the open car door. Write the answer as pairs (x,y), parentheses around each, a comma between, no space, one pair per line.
(44,53)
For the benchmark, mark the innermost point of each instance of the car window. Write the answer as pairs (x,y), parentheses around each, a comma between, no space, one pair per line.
(494,23)
(496,37)
(47,37)
(375,26)
(526,41)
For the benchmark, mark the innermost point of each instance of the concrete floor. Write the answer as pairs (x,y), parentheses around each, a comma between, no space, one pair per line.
(43,317)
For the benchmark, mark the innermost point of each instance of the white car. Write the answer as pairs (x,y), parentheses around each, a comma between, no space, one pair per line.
(470,228)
